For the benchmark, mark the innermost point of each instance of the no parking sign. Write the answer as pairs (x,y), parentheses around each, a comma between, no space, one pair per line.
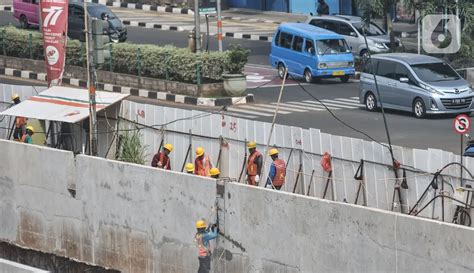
(462,123)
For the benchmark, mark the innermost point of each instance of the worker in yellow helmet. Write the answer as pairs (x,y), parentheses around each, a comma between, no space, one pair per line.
(202,163)
(189,168)
(161,159)
(214,172)
(26,138)
(277,174)
(202,238)
(20,122)
(254,164)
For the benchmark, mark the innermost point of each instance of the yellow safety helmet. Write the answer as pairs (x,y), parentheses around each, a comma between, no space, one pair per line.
(15,96)
(168,147)
(273,151)
(199,151)
(30,128)
(189,167)
(252,144)
(201,224)
(214,171)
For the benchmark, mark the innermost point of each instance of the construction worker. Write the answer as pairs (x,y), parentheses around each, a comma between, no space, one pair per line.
(26,138)
(202,163)
(189,168)
(161,160)
(214,172)
(254,164)
(277,174)
(202,238)
(20,122)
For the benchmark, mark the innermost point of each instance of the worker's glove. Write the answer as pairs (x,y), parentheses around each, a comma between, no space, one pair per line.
(160,164)
(257,178)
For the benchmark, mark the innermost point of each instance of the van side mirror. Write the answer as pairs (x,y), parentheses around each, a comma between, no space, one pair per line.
(312,51)
(404,80)
(353,34)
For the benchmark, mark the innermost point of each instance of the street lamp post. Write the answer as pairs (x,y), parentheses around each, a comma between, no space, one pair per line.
(197,28)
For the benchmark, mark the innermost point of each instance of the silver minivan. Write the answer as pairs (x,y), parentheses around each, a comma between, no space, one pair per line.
(350,27)
(417,83)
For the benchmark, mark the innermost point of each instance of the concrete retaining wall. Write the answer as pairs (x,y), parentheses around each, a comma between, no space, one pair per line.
(138,219)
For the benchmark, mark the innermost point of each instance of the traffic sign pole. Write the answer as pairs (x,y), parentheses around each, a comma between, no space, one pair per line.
(219,25)
(462,142)
(462,123)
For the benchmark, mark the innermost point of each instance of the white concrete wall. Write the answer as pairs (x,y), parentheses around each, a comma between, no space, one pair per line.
(284,232)
(139,219)
(125,216)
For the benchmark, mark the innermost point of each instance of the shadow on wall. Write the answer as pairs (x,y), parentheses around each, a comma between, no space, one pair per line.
(46,261)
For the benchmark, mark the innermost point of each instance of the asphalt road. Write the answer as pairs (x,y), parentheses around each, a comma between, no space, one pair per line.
(405,130)
(259,51)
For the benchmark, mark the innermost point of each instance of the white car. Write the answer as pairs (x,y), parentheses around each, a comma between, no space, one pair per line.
(351,28)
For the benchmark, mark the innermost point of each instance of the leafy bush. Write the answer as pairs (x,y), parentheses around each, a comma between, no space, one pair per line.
(131,148)
(238,57)
(168,62)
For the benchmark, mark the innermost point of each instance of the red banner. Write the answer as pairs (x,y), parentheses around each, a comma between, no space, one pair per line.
(54,27)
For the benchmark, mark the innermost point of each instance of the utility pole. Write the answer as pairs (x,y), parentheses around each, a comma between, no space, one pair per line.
(219,25)
(91,83)
(197,28)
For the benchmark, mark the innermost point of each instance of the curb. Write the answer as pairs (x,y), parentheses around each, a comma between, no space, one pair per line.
(215,102)
(152,25)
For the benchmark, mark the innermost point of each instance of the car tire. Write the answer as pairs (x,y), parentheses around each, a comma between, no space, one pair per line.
(24,22)
(419,108)
(308,77)
(370,102)
(344,79)
(364,54)
(281,71)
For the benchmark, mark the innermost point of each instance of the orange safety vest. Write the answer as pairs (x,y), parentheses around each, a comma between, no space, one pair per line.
(280,174)
(20,121)
(203,251)
(202,167)
(251,166)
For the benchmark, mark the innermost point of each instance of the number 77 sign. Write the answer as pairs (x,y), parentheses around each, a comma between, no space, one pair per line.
(54,29)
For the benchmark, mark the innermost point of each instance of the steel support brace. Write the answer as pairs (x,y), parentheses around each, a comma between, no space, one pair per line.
(329,179)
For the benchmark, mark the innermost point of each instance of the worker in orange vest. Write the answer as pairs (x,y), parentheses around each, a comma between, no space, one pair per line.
(202,163)
(277,174)
(202,238)
(20,122)
(161,160)
(254,164)
(26,138)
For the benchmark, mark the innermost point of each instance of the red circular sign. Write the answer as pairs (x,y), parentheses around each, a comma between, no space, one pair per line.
(462,123)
